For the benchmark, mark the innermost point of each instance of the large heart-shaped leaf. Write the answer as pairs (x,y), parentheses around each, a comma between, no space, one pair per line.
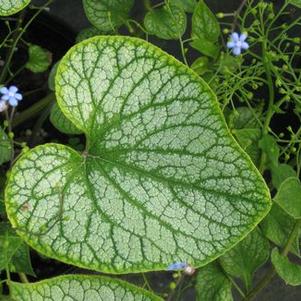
(161,179)
(10,7)
(79,288)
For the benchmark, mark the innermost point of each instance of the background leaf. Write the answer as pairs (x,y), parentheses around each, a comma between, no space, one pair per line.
(87,33)
(79,288)
(212,284)
(280,173)
(161,179)
(39,59)
(107,15)
(246,257)
(5,147)
(205,30)
(277,227)
(61,123)
(14,254)
(288,197)
(289,272)
(10,7)
(295,2)
(186,5)
(168,22)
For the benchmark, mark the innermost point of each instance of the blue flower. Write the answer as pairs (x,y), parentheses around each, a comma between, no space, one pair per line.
(237,43)
(177,266)
(10,95)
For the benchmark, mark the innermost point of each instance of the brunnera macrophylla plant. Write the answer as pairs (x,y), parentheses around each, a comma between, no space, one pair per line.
(169,163)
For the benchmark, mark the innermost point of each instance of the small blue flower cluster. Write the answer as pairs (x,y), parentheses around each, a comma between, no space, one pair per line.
(237,43)
(176,266)
(10,96)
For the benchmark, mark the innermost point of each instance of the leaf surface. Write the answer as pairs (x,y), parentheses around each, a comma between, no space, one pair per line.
(10,7)
(212,284)
(5,147)
(243,260)
(39,59)
(277,227)
(161,179)
(288,197)
(168,22)
(288,271)
(79,288)
(107,15)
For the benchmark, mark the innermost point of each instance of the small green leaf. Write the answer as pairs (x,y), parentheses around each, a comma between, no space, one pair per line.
(280,173)
(269,146)
(186,5)
(39,59)
(168,22)
(20,262)
(9,244)
(5,147)
(161,178)
(295,2)
(277,227)
(205,47)
(87,33)
(61,123)
(10,7)
(212,284)
(204,23)
(205,30)
(288,197)
(107,15)
(289,272)
(246,257)
(14,253)
(200,65)
(79,288)
(242,118)
(248,138)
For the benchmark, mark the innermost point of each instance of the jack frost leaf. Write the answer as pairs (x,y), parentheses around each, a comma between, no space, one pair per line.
(161,179)
(288,271)
(107,15)
(187,5)
(168,22)
(5,147)
(79,288)
(10,7)
(212,284)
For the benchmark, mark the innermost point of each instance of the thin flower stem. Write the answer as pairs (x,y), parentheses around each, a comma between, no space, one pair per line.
(237,13)
(178,283)
(183,51)
(147,282)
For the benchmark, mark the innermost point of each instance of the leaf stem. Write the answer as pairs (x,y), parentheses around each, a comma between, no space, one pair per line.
(271,273)
(178,283)
(23,277)
(183,51)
